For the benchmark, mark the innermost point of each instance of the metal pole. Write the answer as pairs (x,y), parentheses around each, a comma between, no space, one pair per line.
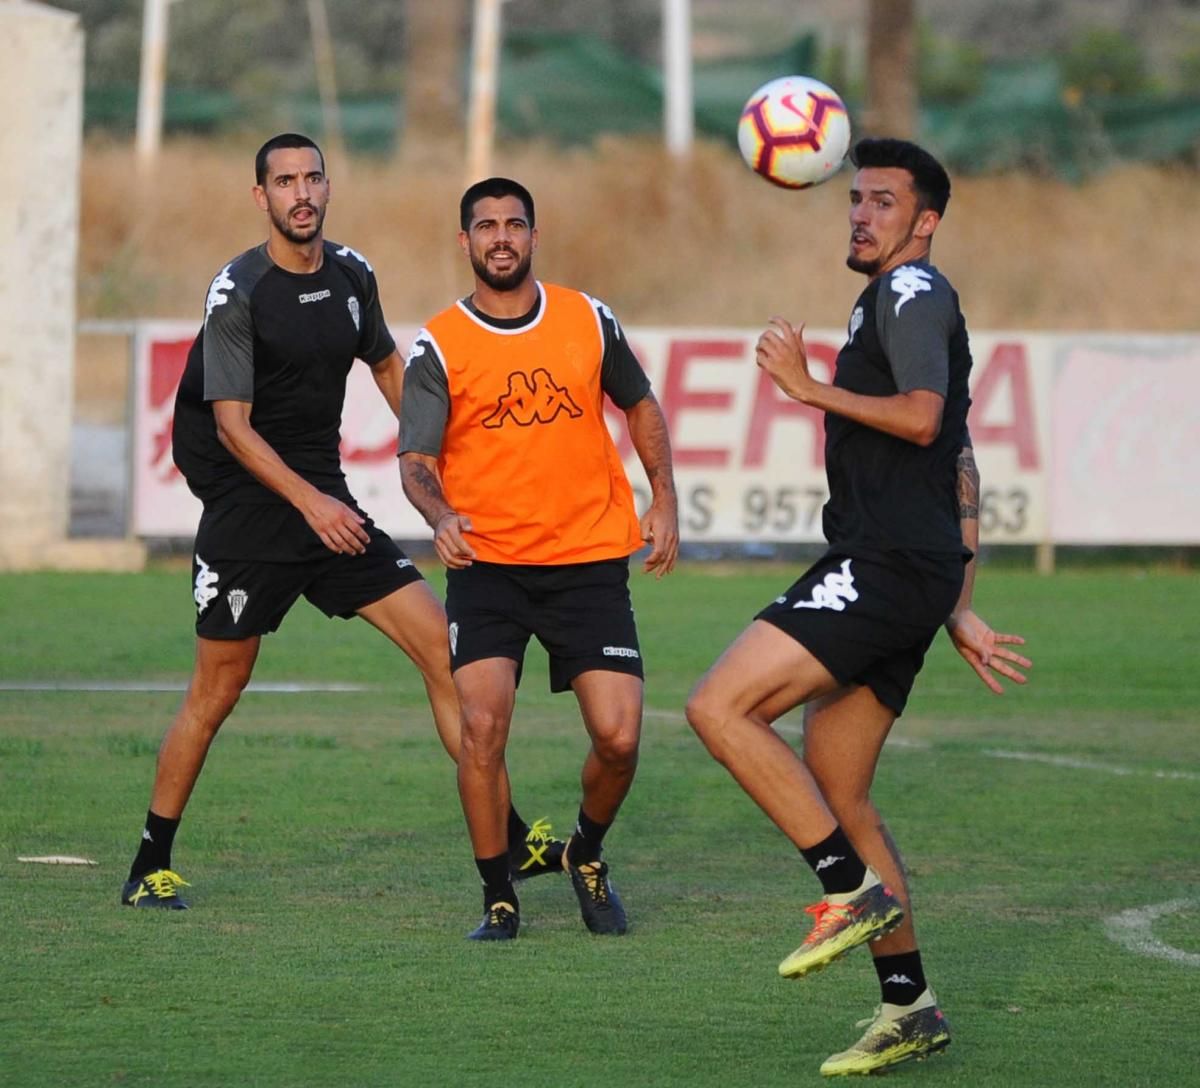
(481,110)
(322,45)
(678,108)
(150,84)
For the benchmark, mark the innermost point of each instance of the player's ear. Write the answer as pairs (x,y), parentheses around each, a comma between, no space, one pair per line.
(464,242)
(260,197)
(927,223)
(533,239)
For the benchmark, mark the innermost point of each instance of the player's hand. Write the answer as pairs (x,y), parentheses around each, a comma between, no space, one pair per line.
(660,528)
(984,649)
(781,353)
(339,526)
(448,539)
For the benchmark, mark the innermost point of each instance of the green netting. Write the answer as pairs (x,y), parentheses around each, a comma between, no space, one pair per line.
(570,88)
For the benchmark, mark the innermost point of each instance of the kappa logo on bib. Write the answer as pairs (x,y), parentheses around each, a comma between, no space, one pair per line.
(532,399)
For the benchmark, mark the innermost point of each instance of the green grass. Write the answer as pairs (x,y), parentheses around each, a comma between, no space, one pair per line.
(333,882)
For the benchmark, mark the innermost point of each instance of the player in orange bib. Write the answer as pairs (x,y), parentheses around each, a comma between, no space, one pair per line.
(505,452)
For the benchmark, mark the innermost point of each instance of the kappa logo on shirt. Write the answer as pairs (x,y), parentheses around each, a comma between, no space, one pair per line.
(221,282)
(532,399)
(315,296)
(346,251)
(907,282)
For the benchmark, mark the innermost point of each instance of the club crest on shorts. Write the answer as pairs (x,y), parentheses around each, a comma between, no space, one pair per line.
(453,639)
(237,599)
(352,306)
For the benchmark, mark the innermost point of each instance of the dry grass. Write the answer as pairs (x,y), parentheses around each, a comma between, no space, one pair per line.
(702,244)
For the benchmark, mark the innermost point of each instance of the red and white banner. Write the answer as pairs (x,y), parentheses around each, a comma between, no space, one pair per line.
(1077,439)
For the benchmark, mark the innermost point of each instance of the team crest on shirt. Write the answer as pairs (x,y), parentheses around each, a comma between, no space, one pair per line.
(856,323)
(352,306)
(907,282)
(532,398)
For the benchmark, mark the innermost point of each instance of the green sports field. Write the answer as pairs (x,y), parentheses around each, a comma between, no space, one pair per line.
(1052,835)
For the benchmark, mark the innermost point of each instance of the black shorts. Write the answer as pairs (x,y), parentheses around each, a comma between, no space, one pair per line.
(869,621)
(580,612)
(240,598)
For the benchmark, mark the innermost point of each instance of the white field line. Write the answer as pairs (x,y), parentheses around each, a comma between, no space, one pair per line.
(1133,930)
(274,687)
(917,744)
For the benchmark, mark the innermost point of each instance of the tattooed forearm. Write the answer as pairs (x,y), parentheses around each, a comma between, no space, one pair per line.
(423,488)
(652,441)
(968,485)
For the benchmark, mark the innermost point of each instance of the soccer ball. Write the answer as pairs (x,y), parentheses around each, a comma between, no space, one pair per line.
(794,131)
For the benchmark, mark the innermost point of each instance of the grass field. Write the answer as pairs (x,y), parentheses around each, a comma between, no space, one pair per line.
(333,882)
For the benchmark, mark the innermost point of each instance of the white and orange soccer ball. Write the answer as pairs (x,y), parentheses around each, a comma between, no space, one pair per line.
(794,132)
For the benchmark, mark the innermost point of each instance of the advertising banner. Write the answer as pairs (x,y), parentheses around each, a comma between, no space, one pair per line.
(1077,439)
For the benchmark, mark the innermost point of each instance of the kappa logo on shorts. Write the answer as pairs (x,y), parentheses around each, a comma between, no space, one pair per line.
(453,639)
(402,563)
(237,599)
(205,588)
(620,651)
(532,399)
(833,592)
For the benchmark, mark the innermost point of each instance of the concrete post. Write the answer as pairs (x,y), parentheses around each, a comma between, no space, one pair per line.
(41,95)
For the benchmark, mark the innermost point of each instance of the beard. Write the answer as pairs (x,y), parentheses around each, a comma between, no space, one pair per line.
(860,264)
(503,281)
(299,235)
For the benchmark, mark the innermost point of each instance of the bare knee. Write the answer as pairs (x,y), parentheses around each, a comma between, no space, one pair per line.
(484,732)
(709,715)
(618,748)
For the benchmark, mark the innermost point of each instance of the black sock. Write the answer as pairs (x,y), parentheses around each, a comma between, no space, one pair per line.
(497,884)
(155,851)
(587,841)
(517,828)
(836,863)
(901,977)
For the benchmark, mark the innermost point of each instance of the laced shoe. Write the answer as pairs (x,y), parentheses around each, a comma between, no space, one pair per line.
(500,923)
(896,1033)
(157,889)
(538,853)
(598,900)
(843,921)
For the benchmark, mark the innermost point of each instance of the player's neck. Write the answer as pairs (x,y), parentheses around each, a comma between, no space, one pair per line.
(915,250)
(299,257)
(515,303)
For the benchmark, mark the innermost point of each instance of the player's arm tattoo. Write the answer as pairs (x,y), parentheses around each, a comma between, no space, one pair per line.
(419,478)
(968,485)
(652,441)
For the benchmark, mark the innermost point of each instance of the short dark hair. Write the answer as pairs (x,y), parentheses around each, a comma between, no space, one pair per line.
(930,180)
(275,143)
(496,188)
